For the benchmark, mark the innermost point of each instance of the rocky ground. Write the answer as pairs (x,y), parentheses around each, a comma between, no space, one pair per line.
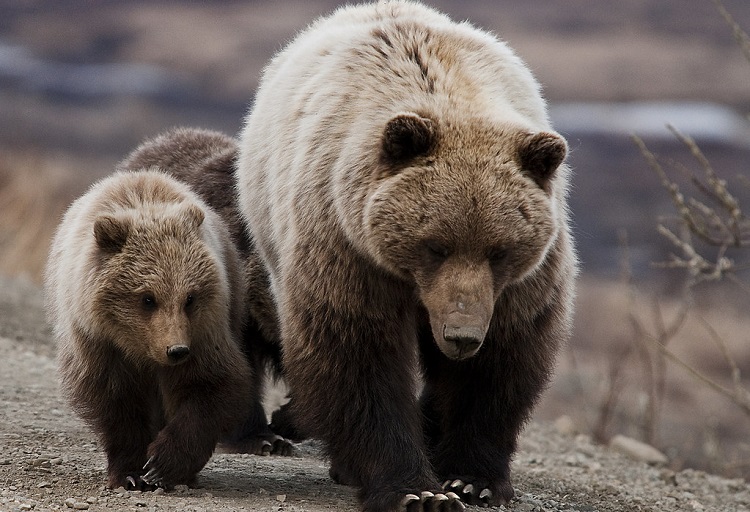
(49,461)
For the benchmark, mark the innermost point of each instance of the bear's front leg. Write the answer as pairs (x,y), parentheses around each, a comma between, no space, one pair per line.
(354,387)
(476,408)
(199,410)
(118,402)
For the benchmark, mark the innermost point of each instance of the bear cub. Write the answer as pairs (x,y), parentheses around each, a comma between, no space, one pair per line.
(204,160)
(145,294)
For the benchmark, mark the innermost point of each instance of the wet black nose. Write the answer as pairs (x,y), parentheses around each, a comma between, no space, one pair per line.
(178,353)
(466,339)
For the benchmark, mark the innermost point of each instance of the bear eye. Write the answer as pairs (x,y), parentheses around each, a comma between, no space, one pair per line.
(497,255)
(437,250)
(148,302)
(189,300)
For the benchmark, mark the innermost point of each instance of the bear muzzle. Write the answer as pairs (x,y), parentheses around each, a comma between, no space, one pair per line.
(177,353)
(462,335)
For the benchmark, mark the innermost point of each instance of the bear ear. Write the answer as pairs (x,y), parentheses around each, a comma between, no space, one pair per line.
(195,215)
(111,233)
(406,136)
(540,154)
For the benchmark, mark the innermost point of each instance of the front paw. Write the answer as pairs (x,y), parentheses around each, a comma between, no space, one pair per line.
(427,501)
(135,482)
(153,475)
(482,492)
(130,481)
(266,444)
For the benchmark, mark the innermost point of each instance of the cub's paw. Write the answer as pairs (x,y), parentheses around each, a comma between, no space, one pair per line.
(432,502)
(153,475)
(480,492)
(134,482)
(265,444)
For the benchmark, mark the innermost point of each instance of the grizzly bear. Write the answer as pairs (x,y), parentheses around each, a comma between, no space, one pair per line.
(205,160)
(146,299)
(402,183)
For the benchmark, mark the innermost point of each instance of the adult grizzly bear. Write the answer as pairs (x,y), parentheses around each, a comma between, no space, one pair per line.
(403,185)
(205,160)
(146,299)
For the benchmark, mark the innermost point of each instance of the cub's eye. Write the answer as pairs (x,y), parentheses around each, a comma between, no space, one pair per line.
(437,250)
(189,300)
(497,255)
(148,302)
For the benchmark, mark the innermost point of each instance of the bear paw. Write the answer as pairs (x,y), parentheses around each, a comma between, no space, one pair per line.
(136,483)
(265,444)
(480,492)
(153,476)
(430,502)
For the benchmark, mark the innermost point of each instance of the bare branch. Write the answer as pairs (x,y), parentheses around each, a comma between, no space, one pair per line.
(743,40)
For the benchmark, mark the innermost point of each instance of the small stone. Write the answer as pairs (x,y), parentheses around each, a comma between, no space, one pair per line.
(140,503)
(91,500)
(70,502)
(637,450)
(81,505)
(25,506)
(565,425)
(42,485)
(281,498)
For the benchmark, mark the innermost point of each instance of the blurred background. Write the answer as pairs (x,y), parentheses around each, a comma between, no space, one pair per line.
(83,82)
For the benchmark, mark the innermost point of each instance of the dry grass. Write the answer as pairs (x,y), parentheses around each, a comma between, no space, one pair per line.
(34,192)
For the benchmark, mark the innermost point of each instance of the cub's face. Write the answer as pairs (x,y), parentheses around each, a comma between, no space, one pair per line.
(159,285)
(462,222)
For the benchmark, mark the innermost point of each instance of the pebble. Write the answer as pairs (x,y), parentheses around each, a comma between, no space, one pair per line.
(565,425)
(637,450)
(281,498)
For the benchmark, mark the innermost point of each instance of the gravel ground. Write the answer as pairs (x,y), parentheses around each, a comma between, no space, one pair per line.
(49,460)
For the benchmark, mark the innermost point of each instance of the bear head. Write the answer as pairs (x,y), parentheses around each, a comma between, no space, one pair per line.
(462,209)
(159,285)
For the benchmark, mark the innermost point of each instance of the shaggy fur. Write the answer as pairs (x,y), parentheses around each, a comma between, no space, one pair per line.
(204,160)
(146,299)
(402,182)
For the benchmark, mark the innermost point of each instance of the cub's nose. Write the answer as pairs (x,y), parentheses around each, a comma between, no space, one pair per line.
(467,339)
(177,353)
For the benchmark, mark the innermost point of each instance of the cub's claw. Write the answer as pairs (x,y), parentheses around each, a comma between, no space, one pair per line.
(131,483)
(152,476)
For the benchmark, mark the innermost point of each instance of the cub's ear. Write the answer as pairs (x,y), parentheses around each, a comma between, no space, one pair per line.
(540,154)
(406,136)
(194,215)
(111,233)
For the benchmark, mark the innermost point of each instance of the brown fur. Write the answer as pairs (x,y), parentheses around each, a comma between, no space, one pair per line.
(405,188)
(140,272)
(204,160)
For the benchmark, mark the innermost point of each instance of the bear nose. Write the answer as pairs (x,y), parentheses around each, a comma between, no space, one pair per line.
(466,338)
(177,353)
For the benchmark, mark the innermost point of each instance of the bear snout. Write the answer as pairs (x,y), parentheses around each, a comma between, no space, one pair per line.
(462,335)
(177,353)
(466,339)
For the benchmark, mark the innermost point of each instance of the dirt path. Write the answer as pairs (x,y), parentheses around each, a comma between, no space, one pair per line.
(49,461)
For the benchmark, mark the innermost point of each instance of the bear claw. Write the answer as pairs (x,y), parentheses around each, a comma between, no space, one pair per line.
(152,476)
(469,493)
(431,502)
